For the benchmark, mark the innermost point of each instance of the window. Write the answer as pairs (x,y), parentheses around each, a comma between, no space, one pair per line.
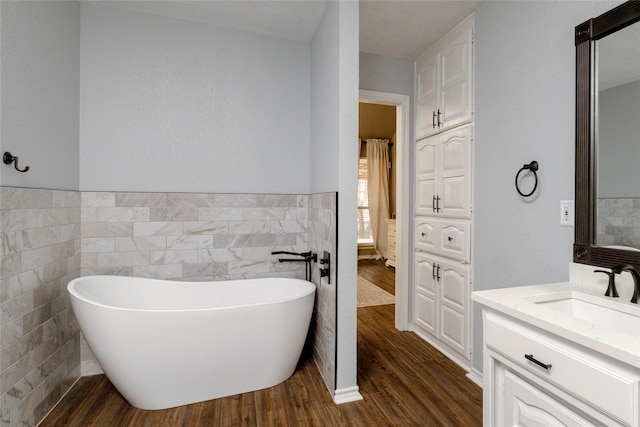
(364,223)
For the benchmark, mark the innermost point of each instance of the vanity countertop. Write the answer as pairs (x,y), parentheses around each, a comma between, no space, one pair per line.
(518,302)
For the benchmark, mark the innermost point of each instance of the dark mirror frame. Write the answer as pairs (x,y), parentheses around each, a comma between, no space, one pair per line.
(585,251)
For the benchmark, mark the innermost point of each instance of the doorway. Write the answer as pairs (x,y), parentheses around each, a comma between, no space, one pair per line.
(400,165)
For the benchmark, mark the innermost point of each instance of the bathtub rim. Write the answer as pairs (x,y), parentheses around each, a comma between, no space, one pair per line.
(71,288)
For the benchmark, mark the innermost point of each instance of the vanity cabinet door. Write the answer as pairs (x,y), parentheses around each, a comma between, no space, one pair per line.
(529,372)
(526,405)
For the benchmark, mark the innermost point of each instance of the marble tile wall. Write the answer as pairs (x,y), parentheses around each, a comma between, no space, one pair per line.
(39,338)
(619,222)
(192,236)
(323,237)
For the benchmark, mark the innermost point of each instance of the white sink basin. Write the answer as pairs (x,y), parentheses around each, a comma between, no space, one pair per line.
(599,312)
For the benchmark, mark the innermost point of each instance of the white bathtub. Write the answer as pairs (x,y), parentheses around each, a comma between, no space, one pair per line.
(164,344)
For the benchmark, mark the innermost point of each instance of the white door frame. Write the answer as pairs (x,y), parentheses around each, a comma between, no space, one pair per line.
(403,109)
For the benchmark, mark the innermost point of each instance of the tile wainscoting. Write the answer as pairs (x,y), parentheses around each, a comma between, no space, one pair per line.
(323,214)
(50,237)
(39,339)
(192,236)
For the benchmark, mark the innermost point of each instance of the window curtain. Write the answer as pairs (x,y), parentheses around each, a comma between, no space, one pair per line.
(378,188)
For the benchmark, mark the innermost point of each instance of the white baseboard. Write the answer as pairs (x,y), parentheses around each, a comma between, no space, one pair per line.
(475,376)
(346,395)
(454,356)
(90,367)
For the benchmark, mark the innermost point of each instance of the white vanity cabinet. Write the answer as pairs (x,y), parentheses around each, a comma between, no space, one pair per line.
(443,174)
(444,94)
(533,377)
(442,301)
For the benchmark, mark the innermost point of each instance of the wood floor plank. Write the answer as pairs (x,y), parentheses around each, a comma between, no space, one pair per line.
(376,272)
(404,381)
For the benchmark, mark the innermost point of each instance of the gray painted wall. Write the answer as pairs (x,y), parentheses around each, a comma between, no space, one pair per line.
(525,102)
(170,105)
(384,74)
(40,74)
(334,159)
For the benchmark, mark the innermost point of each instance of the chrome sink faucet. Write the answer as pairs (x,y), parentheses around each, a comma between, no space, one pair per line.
(636,279)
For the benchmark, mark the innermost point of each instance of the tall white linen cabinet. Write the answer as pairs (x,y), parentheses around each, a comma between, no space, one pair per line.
(443,153)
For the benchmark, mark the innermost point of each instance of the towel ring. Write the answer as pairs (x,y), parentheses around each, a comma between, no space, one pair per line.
(533,167)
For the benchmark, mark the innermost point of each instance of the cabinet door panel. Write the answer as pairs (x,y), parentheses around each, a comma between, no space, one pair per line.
(426,313)
(426,175)
(426,293)
(455,241)
(427,236)
(425,192)
(455,285)
(455,80)
(455,173)
(454,198)
(427,91)
(453,330)
(425,281)
(525,405)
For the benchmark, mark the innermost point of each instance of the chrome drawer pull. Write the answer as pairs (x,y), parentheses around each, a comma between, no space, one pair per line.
(537,362)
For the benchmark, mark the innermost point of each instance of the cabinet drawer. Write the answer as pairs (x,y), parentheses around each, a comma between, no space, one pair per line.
(392,254)
(582,375)
(391,228)
(391,243)
(449,238)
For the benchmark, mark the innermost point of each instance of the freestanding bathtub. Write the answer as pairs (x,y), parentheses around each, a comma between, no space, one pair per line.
(164,344)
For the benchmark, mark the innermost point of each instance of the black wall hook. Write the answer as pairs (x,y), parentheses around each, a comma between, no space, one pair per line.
(533,167)
(7,158)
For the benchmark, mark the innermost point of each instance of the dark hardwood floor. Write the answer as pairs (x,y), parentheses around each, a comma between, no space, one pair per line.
(404,382)
(377,273)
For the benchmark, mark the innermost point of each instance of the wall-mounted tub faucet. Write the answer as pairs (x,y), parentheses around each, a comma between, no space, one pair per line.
(636,279)
(326,262)
(307,257)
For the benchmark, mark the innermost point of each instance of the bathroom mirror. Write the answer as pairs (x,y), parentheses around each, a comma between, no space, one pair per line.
(607,222)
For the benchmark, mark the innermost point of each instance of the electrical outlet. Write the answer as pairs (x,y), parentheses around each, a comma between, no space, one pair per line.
(566,213)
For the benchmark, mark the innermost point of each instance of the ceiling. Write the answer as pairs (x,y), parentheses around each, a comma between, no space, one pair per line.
(394,28)
(405,29)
